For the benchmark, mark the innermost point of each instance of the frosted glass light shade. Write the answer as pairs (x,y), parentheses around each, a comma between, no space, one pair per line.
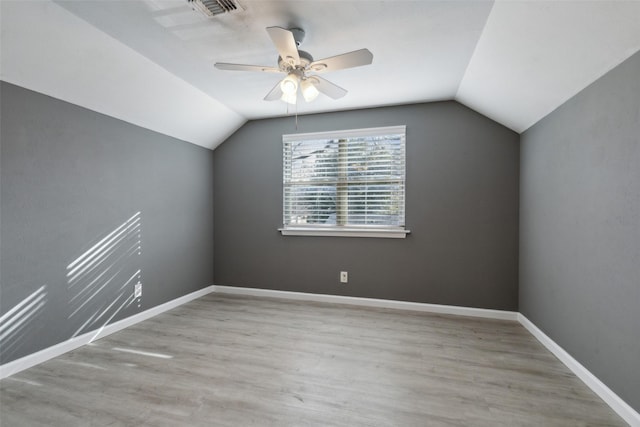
(309,90)
(289,85)
(289,98)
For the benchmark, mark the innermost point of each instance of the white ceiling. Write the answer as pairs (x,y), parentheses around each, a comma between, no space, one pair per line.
(150,62)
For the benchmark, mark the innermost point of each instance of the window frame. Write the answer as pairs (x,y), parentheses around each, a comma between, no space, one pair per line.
(337,230)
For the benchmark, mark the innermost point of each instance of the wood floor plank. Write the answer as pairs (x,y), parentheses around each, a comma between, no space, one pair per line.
(226,360)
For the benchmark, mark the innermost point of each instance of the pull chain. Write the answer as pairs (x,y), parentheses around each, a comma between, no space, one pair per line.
(296,113)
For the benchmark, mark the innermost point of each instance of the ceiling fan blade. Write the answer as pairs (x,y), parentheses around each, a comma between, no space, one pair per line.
(356,58)
(242,67)
(285,44)
(274,94)
(330,89)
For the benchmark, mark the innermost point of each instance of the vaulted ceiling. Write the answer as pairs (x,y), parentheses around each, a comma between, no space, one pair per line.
(150,62)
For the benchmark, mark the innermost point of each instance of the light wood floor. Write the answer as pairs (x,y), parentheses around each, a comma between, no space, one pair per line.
(242,361)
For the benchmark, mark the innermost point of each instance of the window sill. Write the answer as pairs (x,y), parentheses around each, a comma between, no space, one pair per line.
(345,232)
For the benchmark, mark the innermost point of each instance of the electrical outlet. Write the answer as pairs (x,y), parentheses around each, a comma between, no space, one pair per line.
(344,277)
(137,290)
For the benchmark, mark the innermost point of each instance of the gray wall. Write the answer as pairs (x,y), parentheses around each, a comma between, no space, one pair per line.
(71,176)
(580,228)
(462,210)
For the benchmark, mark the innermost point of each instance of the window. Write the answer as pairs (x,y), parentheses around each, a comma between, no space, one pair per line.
(345,183)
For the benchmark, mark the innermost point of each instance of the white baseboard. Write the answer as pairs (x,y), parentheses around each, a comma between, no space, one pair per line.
(613,400)
(371,302)
(26,362)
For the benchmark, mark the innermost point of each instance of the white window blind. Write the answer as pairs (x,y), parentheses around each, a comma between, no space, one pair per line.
(345,182)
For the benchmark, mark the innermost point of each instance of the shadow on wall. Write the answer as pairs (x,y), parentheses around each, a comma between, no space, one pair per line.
(19,320)
(107,278)
(101,282)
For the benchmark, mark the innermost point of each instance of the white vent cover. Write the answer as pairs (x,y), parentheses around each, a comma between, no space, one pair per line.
(215,7)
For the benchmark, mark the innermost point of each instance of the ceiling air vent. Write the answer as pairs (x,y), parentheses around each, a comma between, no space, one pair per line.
(215,7)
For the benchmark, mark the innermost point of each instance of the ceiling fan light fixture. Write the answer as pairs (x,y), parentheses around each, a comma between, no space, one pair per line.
(309,90)
(289,85)
(290,98)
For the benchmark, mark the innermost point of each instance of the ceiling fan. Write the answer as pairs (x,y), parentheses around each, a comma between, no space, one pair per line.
(297,64)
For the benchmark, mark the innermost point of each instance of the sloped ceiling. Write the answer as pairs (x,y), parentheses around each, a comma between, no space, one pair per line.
(150,62)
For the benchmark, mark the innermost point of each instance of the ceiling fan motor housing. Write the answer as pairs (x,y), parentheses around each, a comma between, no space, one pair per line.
(305,60)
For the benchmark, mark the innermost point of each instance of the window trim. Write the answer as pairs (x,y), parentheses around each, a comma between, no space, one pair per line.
(389,233)
(375,231)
